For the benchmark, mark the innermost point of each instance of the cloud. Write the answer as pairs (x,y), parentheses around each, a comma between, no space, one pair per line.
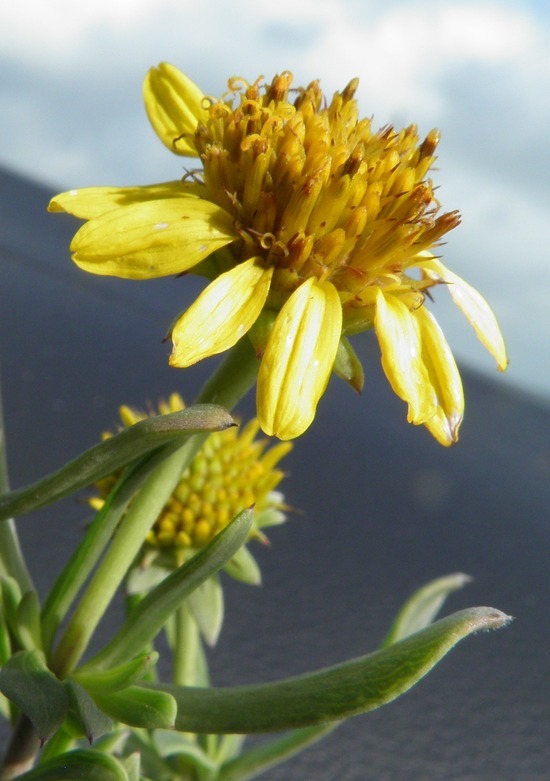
(70,101)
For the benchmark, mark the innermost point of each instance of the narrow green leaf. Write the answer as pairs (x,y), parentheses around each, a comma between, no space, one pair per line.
(80,765)
(257,760)
(422,607)
(27,682)
(11,597)
(139,707)
(331,694)
(97,537)
(113,454)
(175,744)
(5,641)
(206,606)
(117,678)
(90,721)
(29,631)
(244,568)
(151,614)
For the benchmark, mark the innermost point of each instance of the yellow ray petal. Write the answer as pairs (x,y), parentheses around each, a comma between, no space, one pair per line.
(174,105)
(152,238)
(475,308)
(399,337)
(94,201)
(298,359)
(444,377)
(222,314)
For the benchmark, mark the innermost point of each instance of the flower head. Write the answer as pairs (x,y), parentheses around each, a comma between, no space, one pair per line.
(232,471)
(312,227)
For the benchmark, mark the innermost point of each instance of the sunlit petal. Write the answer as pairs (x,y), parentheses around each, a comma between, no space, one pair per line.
(174,105)
(474,307)
(152,238)
(222,314)
(91,202)
(400,342)
(298,360)
(444,378)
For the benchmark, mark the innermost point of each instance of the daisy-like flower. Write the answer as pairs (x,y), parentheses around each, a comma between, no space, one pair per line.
(310,226)
(232,471)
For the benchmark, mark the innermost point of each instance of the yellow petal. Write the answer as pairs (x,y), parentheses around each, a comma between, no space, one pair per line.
(222,314)
(91,202)
(444,377)
(473,306)
(400,342)
(174,105)
(152,238)
(298,360)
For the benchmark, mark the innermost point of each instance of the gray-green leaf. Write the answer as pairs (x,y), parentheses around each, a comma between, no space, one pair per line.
(422,607)
(113,454)
(331,694)
(27,682)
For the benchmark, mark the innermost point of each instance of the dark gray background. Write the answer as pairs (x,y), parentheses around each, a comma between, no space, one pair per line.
(383,509)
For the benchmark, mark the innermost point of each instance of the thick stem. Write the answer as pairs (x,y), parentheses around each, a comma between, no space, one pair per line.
(186,648)
(228,384)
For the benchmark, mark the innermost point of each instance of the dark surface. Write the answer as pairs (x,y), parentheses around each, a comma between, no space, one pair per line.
(383,510)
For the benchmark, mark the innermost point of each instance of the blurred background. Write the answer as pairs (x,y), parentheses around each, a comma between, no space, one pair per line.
(381,507)
(72,114)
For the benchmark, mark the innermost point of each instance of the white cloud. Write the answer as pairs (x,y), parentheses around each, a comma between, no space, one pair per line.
(71,107)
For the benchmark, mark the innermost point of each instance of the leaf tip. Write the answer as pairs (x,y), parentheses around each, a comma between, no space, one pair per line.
(489,618)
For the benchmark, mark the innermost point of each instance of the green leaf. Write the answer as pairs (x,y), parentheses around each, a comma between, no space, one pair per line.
(11,597)
(175,744)
(347,365)
(117,678)
(27,682)
(80,765)
(422,607)
(113,454)
(29,631)
(139,707)
(90,721)
(98,535)
(206,606)
(331,694)
(151,614)
(132,766)
(244,567)
(257,760)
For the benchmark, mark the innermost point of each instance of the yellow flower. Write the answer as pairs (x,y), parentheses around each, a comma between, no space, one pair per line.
(311,226)
(232,471)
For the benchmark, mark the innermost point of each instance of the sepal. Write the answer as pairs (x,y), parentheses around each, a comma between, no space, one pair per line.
(347,365)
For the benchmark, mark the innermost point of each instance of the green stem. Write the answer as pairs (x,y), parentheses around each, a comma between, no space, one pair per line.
(233,378)
(228,384)
(186,648)
(11,557)
(126,544)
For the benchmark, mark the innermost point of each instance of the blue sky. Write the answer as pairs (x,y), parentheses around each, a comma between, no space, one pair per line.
(70,101)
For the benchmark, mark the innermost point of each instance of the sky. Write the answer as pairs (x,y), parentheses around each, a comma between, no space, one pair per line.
(72,114)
